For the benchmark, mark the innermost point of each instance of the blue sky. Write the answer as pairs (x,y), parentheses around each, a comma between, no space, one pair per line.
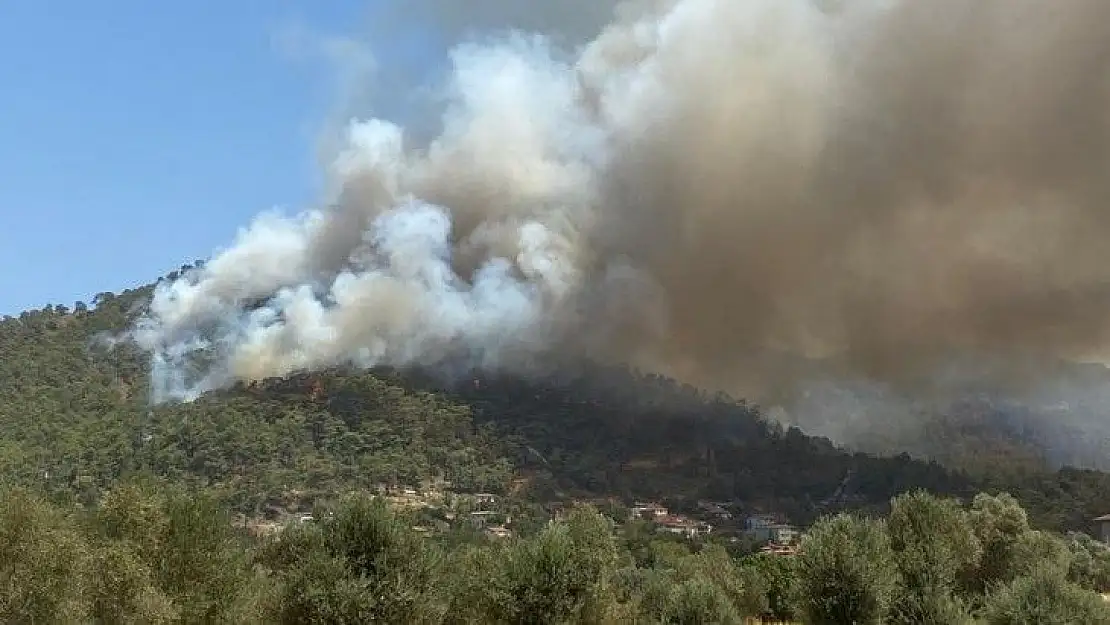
(137,135)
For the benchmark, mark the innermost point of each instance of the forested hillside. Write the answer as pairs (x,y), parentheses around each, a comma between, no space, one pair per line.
(74,420)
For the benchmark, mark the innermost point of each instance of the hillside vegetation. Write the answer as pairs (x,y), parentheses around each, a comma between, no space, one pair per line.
(75,420)
(256,504)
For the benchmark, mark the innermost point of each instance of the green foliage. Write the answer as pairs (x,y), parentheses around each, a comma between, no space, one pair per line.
(542,581)
(122,588)
(553,577)
(933,544)
(1037,549)
(87,535)
(847,572)
(999,522)
(774,583)
(1090,562)
(1044,597)
(152,553)
(140,558)
(699,602)
(75,421)
(359,564)
(183,540)
(41,558)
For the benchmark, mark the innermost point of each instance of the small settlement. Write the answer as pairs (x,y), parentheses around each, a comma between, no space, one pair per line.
(438,509)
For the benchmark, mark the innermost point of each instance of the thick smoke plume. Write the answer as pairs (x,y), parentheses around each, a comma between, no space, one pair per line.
(714,189)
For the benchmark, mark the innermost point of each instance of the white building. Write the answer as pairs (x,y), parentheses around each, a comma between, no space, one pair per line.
(769,529)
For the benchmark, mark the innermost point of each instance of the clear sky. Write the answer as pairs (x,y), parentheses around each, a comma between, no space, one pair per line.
(137,135)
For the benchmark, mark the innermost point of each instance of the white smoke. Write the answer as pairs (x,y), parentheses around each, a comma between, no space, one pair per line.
(396,299)
(702,184)
(371,279)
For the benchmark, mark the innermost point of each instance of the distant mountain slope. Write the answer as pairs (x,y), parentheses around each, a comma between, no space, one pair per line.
(608,431)
(1056,414)
(74,419)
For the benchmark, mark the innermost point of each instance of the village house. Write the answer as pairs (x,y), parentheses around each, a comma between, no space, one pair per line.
(498,531)
(715,509)
(649,511)
(559,512)
(488,518)
(481,518)
(1103,524)
(779,550)
(765,528)
(684,526)
(485,499)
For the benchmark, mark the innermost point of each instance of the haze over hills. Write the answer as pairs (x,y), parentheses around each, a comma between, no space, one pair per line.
(633,206)
(76,418)
(842,222)
(833,224)
(1057,408)
(627,252)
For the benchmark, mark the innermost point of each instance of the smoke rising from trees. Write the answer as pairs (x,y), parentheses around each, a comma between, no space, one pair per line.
(717,190)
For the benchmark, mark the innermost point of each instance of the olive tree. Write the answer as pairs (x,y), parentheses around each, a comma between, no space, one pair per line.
(933,543)
(846,572)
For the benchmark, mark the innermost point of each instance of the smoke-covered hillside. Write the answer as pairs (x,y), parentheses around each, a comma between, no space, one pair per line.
(1060,415)
(76,418)
(715,191)
(885,223)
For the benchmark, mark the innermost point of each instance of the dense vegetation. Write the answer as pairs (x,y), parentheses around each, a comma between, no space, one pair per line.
(75,420)
(116,511)
(149,553)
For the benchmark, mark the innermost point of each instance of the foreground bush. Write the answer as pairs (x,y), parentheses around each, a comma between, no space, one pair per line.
(360,565)
(43,562)
(933,544)
(846,572)
(1044,597)
(151,554)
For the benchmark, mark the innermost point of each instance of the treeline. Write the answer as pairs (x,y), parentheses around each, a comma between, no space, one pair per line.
(149,554)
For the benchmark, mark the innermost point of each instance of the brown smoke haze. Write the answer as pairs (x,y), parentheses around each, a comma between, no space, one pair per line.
(720,190)
(894,190)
